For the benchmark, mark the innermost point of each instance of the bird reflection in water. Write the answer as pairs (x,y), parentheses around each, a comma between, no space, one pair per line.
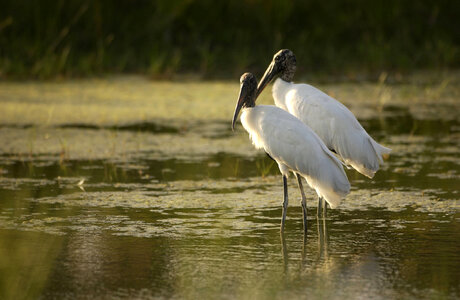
(323,245)
(323,239)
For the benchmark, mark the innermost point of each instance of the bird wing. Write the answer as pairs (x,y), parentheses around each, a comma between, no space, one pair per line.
(336,125)
(292,143)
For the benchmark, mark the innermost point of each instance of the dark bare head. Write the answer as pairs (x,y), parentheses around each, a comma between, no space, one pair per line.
(283,65)
(247,96)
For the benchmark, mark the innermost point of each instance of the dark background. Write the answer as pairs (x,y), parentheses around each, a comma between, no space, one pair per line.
(221,39)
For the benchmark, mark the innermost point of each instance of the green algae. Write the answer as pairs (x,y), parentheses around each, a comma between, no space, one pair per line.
(123,100)
(126,188)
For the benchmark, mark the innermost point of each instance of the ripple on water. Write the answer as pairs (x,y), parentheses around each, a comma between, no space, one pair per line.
(190,209)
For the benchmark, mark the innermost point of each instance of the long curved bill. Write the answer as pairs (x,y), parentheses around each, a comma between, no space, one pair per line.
(239,104)
(268,76)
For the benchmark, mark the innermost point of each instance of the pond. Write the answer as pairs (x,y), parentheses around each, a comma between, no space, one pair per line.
(127,188)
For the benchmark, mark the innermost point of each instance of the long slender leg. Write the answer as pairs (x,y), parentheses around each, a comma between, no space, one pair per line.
(285,202)
(320,206)
(326,237)
(325,209)
(304,202)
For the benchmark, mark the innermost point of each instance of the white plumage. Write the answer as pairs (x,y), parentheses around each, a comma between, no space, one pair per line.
(333,122)
(295,147)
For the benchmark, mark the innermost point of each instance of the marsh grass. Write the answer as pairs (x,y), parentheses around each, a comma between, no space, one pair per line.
(114,117)
(119,101)
(264,166)
(64,153)
(161,39)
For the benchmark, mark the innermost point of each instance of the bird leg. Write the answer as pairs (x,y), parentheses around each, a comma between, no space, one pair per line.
(285,203)
(304,201)
(320,206)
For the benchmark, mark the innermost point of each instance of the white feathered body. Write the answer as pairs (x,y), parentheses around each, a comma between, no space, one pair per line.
(295,147)
(333,123)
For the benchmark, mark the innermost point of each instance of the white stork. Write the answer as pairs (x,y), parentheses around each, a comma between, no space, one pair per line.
(293,145)
(330,120)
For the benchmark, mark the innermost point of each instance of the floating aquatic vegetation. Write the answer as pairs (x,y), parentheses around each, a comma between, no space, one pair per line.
(102,178)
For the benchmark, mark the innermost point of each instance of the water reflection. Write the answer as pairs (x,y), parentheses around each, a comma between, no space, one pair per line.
(348,254)
(321,253)
(284,250)
(185,209)
(322,239)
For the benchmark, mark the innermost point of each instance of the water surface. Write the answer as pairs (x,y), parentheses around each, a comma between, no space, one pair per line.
(124,188)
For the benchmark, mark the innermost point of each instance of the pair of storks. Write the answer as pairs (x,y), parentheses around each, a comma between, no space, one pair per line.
(301,132)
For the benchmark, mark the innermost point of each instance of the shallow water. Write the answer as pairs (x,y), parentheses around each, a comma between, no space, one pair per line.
(114,189)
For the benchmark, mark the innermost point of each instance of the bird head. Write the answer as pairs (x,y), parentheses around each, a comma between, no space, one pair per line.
(283,64)
(247,96)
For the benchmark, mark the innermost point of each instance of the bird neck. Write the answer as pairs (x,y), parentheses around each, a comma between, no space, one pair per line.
(279,91)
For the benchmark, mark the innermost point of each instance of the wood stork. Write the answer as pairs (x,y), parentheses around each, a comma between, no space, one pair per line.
(293,145)
(330,120)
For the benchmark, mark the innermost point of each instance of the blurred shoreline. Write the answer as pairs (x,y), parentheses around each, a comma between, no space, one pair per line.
(52,39)
(417,77)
